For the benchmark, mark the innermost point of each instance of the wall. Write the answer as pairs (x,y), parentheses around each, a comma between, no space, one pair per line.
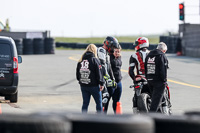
(190,34)
(31,34)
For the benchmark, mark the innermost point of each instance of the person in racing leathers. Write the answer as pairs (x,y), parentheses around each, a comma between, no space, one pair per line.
(137,61)
(103,54)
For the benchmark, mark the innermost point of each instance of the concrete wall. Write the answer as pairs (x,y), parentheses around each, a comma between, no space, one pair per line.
(190,34)
(18,35)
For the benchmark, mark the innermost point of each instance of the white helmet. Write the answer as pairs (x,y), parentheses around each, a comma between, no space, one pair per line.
(141,42)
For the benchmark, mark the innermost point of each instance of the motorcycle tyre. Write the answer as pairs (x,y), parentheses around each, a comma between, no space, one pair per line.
(143,102)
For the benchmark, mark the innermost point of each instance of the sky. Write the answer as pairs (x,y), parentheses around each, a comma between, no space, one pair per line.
(97,18)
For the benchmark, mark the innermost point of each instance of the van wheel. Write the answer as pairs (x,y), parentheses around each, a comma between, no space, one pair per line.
(13,98)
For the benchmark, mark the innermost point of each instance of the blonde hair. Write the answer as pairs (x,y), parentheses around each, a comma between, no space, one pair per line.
(90,48)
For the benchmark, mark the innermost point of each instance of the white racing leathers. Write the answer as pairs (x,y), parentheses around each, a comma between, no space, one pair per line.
(137,60)
(107,73)
(105,62)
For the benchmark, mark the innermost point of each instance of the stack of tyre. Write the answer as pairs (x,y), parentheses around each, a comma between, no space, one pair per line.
(49,46)
(54,122)
(19,46)
(75,123)
(29,46)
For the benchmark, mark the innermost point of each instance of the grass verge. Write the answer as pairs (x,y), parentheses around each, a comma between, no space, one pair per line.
(153,39)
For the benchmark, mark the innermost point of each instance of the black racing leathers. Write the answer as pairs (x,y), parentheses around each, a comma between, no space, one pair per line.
(156,65)
(88,71)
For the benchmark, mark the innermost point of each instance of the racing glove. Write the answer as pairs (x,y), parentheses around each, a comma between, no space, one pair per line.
(114,84)
(108,81)
(106,77)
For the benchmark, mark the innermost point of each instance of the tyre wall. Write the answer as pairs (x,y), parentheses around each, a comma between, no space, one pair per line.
(62,122)
(172,42)
(124,45)
(185,123)
(19,46)
(190,39)
(29,46)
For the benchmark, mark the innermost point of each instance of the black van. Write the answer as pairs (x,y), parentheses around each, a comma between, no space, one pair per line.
(9,69)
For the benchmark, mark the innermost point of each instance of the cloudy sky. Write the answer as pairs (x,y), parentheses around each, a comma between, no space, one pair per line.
(86,18)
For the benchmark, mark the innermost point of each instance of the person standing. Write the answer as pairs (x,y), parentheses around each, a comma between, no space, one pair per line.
(116,63)
(89,75)
(156,65)
(137,59)
(103,54)
(136,63)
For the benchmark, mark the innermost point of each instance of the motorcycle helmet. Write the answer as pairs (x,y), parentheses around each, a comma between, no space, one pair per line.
(141,42)
(110,43)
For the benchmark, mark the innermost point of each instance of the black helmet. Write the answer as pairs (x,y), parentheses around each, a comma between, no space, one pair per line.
(110,43)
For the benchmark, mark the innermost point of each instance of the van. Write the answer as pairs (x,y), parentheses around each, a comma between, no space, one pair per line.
(9,76)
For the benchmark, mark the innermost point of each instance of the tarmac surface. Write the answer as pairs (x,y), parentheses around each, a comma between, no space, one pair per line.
(48,83)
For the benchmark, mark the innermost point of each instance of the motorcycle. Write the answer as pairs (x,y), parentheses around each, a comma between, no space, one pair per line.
(166,102)
(142,98)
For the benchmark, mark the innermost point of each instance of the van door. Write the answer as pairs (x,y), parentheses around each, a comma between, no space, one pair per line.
(6,65)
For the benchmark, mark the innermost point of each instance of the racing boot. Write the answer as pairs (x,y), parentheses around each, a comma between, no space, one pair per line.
(135,111)
(165,110)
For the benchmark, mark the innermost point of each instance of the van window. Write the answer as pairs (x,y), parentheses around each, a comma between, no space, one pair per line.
(5,52)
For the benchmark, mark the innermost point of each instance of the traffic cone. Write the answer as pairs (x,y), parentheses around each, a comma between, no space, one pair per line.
(119,108)
(179,53)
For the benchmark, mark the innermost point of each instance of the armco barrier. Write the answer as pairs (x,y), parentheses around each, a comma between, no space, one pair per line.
(124,45)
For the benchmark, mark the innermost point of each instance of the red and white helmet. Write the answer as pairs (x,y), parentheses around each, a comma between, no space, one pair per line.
(141,42)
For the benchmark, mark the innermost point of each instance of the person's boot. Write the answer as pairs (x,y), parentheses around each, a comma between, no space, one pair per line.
(135,111)
(165,110)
